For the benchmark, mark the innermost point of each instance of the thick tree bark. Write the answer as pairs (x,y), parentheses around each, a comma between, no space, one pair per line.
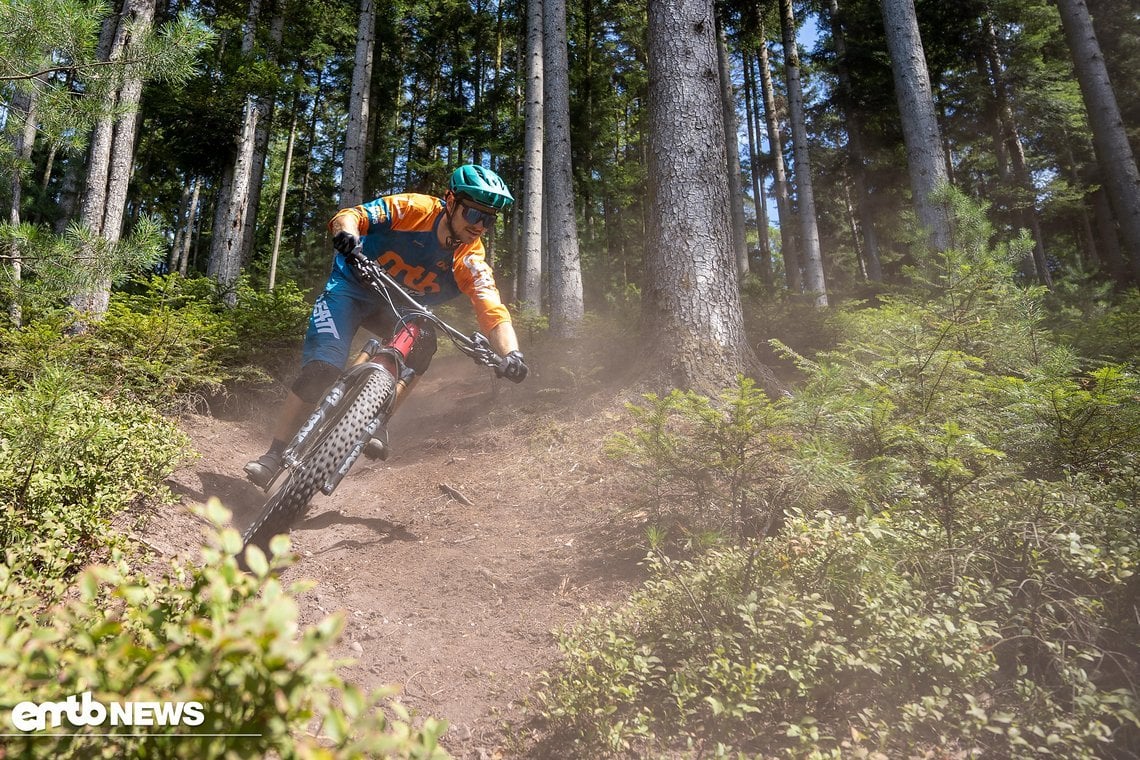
(814,284)
(566,303)
(1110,139)
(732,149)
(789,247)
(530,266)
(356,136)
(692,307)
(921,134)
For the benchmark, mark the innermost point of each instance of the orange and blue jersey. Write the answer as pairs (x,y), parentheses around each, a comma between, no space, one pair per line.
(400,233)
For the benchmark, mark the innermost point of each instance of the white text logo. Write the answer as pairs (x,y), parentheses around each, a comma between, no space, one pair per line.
(80,710)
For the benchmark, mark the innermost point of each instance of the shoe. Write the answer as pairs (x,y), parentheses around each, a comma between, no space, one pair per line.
(377,446)
(264,469)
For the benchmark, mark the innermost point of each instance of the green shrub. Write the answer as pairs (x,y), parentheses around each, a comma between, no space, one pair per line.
(259,334)
(205,633)
(832,640)
(70,461)
(971,587)
(1101,324)
(710,466)
(165,342)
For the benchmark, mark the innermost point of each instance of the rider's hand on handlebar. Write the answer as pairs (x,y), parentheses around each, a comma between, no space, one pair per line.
(512,367)
(345,241)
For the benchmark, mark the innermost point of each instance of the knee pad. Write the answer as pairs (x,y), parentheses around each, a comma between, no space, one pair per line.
(424,349)
(314,379)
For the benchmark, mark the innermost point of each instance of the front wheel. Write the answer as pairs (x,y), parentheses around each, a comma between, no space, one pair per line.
(333,443)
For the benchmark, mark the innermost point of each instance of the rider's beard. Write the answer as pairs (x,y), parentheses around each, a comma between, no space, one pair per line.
(453,238)
(458,236)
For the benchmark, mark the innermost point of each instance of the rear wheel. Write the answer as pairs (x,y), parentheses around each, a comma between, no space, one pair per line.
(362,403)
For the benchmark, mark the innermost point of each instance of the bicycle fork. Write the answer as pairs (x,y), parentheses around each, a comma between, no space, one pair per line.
(373,357)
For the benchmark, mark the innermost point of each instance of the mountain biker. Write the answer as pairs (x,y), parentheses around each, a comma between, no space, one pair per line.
(432,246)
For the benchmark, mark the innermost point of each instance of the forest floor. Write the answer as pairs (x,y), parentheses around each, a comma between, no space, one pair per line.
(453,603)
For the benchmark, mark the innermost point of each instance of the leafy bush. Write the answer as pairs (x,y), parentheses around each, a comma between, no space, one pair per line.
(80,445)
(710,467)
(166,341)
(55,267)
(205,633)
(70,461)
(828,641)
(961,571)
(1104,325)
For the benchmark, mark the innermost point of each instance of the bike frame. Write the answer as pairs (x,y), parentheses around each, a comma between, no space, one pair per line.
(389,356)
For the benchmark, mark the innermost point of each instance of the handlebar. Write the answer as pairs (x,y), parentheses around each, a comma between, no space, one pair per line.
(477,346)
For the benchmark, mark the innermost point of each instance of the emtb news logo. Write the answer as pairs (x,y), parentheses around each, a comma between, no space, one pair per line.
(81,710)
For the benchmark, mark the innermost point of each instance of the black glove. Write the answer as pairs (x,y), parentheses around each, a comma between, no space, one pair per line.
(512,367)
(344,242)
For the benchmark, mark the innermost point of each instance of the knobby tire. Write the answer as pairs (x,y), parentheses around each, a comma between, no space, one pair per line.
(289,502)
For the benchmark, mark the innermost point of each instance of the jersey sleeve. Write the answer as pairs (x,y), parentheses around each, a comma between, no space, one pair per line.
(410,212)
(474,276)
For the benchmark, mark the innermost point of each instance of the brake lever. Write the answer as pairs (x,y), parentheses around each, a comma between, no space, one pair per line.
(483,353)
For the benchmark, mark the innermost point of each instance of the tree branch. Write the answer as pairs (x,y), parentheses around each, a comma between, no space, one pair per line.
(73,69)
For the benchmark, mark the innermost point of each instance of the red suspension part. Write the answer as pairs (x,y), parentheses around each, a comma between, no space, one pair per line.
(404,339)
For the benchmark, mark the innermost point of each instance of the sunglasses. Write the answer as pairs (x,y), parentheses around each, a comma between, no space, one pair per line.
(477,216)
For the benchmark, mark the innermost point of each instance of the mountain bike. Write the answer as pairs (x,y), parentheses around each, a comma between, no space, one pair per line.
(358,404)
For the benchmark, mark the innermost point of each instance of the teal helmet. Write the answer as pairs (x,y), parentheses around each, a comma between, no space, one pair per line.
(482,186)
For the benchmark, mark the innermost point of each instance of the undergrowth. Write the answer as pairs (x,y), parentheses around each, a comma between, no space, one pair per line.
(930,549)
(167,342)
(83,439)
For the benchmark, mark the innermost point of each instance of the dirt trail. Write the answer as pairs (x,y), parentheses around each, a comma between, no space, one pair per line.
(453,602)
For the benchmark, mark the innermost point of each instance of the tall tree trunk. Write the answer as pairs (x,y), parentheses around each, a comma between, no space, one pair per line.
(281,198)
(22,114)
(1109,240)
(855,153)
(1026,194)
(110,159)
(311,132)
(356,136)
(265,105)
(229,227)
(1110,139)
(566,302)
(180,233)
(814,283)
(921,134)
(122,160)
(732,150)
(587,99)
(530,268)
(192,217)
(788,244)
(693,305)
(750,108)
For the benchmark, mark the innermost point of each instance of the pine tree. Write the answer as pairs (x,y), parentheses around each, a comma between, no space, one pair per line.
(530,255)
(692,301)
(920,125)
(1113,151)
(566,298)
